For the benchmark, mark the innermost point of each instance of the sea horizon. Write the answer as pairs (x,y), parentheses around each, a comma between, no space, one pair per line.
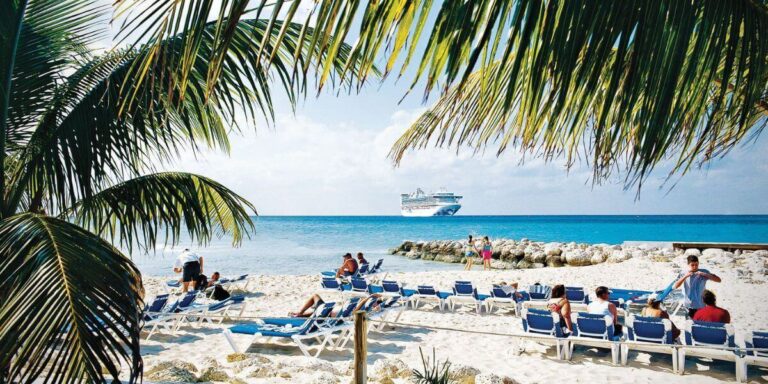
(310,244)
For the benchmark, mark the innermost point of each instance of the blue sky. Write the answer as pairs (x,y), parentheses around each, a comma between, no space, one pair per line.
(329,158)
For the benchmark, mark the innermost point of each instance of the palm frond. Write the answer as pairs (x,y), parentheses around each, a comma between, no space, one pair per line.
(71,304)
(140,210)
(86,138)
(630,83)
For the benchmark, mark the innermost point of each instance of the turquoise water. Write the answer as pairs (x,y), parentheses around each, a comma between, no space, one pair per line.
(305,245)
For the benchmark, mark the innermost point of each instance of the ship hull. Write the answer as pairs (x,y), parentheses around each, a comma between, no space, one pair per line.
(438,210)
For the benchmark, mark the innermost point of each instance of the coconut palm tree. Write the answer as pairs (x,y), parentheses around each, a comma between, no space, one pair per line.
(625,85)
(83,133)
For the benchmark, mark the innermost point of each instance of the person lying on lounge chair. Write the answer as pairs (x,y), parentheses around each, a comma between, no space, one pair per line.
(653,309)
(510,289)
(315,301)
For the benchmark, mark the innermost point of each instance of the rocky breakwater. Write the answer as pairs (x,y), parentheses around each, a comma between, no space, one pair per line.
(523,254)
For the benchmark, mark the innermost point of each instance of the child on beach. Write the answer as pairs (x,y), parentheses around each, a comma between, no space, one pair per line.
(469,251)
(694,282)
(487,252)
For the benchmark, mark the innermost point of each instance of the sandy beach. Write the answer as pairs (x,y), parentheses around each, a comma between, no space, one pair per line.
(393,352)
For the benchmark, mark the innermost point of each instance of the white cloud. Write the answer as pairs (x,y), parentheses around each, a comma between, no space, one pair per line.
(304,167)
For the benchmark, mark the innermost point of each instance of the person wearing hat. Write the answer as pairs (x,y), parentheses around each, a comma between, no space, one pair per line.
(653,309)
(348,267)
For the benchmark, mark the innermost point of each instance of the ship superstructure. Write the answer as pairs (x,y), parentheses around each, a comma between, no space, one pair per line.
(420,204)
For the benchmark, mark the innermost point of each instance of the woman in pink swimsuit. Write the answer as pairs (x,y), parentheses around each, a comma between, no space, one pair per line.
(487,252)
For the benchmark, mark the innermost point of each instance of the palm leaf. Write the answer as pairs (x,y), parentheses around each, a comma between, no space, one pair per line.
(137,211)
(631,85)
(71,304)
(84,139)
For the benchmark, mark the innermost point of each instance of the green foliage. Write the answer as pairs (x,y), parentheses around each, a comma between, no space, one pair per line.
(433,372)
(82,135)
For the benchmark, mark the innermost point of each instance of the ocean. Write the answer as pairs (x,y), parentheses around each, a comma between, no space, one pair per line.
(307,245)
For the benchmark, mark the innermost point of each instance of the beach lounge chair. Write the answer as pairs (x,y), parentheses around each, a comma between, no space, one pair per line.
(169,318)
(428,293)
(376,268)
(718,336)
(332,284)
(594,331)
(576,295)
(213,313)
(298,330)
(393,306)
(241,282)
(502,299)
(464,292)
(755,339)
(649,334)
(390,287)
(363,270)
(543,322)
(360,286)
(157,304)
(538,292)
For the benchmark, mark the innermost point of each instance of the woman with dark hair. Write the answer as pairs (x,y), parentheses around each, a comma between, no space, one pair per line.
(653,309)
(487,252)
(558,303)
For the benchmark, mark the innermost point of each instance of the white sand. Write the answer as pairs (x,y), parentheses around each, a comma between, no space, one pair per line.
(277,295)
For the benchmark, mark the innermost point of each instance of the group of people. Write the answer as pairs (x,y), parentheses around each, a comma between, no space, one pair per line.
(485,250)
(701,303)
(190,265)
(350,266)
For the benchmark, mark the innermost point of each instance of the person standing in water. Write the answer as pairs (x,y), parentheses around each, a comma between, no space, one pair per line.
(469,251)
(487,252)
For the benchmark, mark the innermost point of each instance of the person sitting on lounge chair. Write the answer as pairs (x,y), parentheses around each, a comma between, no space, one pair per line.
(348,268)
(510,289)
(601,306)
(653,309)
(711,312)
(315,301)
(361,259)
(558,303)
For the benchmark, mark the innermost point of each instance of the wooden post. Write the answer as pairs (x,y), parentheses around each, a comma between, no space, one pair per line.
(361,347)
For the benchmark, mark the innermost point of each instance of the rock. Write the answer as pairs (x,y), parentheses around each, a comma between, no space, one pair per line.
(692,252)
(713,253)
(553,261)
(538,265)
(523,264)
(213,374)
(553,249)
(448,258)
(393,251)
(598,257)
(539,257)
(406,246)
(413,255)
(390,368)
(428,256)
(265,371)
(462,374)
(210,362)
(235,380)
(175,371)
(324,378)
(617,256)
(577,257)
(638,253)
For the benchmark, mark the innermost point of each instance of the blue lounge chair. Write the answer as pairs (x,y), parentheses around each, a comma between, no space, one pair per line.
(157,304)
(576,295)
(332,284)
(464,292)
(360,286)
(501,298)
(363,270)
(719,336)
(428,293)
(298,330)
(594,331)
(649,334)
(390,287)
(169,317)
(213,313)
(376,268)
(538,292)
(393,306)
(755,339)
(543,322)
(232,283)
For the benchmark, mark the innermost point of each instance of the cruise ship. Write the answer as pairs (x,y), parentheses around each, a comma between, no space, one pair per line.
(420,204)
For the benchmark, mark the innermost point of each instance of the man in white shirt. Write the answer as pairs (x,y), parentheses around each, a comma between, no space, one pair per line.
(190,265)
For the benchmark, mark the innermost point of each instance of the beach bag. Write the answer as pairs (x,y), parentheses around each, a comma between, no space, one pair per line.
(202,282)
(219,293)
